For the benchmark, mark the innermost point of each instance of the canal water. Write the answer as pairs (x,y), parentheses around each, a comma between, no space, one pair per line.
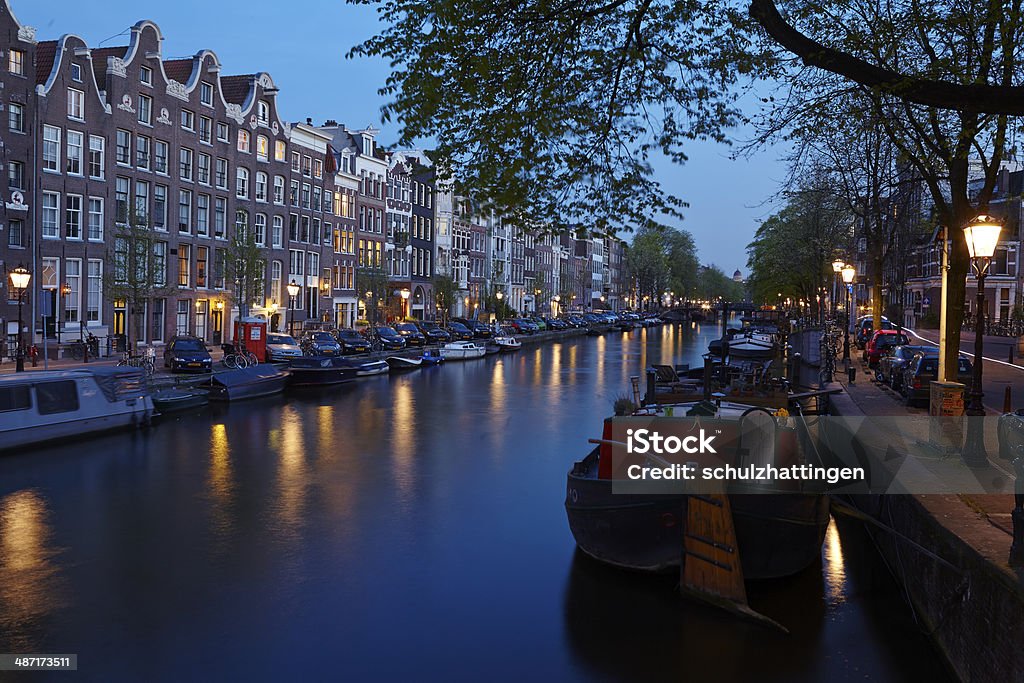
(401,528)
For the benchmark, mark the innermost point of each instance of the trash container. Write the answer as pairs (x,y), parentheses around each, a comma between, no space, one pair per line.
(946,415)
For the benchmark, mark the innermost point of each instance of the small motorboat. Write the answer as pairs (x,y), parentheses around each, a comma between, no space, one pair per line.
(372,367)
(251,382)
(430,358)
(313,371)
(462,350)
(175,400)
(508,343)
(752,345)
(401,363)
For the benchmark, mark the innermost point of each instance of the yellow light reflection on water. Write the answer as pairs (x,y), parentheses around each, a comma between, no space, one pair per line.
(602,348)
(498,391)
(403,437)
(325,432)
(291,471)
(220,462)
(28,578)
(834,567)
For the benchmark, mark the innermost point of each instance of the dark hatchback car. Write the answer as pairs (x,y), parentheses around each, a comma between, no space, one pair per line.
(892,364)
(187,354)
(480,330)
(434,333)
(391,340)
(459,332)
(924,369)
(411,334)
(320,343)
(351,341)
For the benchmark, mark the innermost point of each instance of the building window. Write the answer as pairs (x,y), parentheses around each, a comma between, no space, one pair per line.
(242,183)
(145,110)
(142,152)
(203,169)
(142,201)
(263,112)
(73,216)
(122,190)
(293,195)
(95,233)
(242,224)
(16,117)
(206,129)
(51,148)
(220,219)
(51,215)
(317,198)
(146,76)
(160,263)
(260,227)
(279,189)
(293,228)
(307,166)
(184,211)
(280,151)
(76,104)
(223,132)
(161,151)
(261,186)
(262,148)
(243,141)
(123,150)
(94,291)
(305,195)
(72,278)
(184,264)
(188,120)
(185,164)
(276,272)
(206,93)
(75,143)
(201,257)
(16,233)
(16,62)
(296,162)
(318,168)
(203,214)
(181,320)
(277,234)
(16,175)
(222,174)
(160,207)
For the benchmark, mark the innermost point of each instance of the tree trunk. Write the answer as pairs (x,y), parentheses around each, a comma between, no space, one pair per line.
(877,261)
(959,266)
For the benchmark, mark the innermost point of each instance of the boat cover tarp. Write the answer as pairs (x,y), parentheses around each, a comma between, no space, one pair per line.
(119,382)
(253,373)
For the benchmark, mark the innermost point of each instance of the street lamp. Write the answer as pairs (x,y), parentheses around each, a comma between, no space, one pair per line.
(982,235)
(837,269)
(405,302)
(293,291)
(19,281)
(848,272)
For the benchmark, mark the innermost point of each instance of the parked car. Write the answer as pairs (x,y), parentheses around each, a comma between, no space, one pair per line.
(320,343)
(351,341)
(479,329)
(390,339)
(539,322)
(575,321)
(187,354)
(281,347)
(880,342)
(521,326)
(434,333)
(411,334)
(891,365)
(922,370)
(865,329)
(459,332)
(556,324)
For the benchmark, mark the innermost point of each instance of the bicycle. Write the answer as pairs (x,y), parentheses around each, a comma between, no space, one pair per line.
(145,362)
(238,359)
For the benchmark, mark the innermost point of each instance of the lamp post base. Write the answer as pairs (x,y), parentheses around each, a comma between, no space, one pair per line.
(19,363)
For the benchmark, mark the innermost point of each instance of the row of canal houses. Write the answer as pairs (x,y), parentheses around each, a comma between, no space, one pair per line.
(97,137)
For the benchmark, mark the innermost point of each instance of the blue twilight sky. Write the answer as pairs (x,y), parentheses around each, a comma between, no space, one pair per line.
(304,52)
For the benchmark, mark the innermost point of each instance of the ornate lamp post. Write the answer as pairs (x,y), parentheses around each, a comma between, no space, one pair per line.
(849,272)
(982,235)
(19,281)
(405,302)
(293,291)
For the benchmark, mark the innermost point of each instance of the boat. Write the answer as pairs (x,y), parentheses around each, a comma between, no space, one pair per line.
(41,406)
(175,400)
(312,371)
(401,363)
(461,350)
(244,383)
(777,534)
(508,343)
(431,358)
(752,345)
(371,367)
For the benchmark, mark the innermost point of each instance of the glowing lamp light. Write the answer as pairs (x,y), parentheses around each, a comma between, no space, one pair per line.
(293,289)
(982,235)
(837,266)
(20,278)
(849,272)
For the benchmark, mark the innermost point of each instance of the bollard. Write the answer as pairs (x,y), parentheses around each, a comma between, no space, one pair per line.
(1017,548)
(794,369)
(852,374)
(1011,354)
(1007,400)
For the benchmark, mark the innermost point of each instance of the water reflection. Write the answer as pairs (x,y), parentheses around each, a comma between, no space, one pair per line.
(403,439)
(28,575)
(835,568)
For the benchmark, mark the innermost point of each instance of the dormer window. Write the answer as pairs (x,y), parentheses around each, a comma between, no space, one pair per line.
(367,145)
(76,73)
(263,112)
(146,76)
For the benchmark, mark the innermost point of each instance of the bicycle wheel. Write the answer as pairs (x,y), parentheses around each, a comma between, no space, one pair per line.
(231,361)
(251,359)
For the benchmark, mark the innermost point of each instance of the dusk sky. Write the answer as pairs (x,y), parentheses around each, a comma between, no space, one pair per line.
(306,59)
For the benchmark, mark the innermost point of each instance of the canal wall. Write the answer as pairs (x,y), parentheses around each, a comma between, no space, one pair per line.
(965,595)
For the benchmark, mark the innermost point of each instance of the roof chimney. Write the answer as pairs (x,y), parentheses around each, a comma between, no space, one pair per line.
(329,123)
(309,120)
